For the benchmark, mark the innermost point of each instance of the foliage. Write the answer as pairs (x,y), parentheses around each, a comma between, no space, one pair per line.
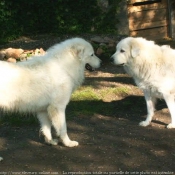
(55,16)
(8,25)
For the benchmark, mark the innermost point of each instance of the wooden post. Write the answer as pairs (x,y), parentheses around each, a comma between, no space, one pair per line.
(172,18)
(122,25)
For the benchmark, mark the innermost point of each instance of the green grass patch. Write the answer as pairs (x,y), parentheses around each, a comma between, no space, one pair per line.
(118,91)
(87,100)
(83,93)
(89,93)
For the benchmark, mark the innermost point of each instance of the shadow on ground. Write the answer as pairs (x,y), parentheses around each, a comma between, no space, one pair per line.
(109,142)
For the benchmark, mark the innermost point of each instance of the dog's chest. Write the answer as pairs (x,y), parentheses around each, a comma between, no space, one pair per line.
(154,91)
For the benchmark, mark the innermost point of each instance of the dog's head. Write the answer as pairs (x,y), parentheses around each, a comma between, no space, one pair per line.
(84,51)
(129,49)
(125,50)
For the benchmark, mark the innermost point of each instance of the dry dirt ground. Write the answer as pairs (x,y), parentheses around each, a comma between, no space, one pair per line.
(110,143)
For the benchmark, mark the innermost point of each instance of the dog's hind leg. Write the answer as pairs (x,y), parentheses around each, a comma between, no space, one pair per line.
(150,102)
(57,117)
(169,99)
(46,127)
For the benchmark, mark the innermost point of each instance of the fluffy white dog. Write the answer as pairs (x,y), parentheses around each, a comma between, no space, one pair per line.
(44,84)
(153,69)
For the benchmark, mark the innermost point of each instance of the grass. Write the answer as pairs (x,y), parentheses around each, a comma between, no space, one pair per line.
(87,100)
(118,91)
(89,93)
(83,93)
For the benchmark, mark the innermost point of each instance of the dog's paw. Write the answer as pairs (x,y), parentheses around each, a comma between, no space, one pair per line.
(71,143)
(171,125)
(52,142)
(144,123)
(1,158)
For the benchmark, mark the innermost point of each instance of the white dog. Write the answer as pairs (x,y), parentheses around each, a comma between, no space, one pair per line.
(153,69)
(44,84)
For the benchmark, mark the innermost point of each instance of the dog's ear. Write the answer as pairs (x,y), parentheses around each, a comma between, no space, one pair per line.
(77,50)
(135,52)
(135,48)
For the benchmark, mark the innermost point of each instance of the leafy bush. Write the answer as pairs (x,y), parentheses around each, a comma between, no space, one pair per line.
(55,16)
(9,27)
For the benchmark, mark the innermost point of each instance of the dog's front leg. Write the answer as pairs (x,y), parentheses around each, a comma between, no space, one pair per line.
(169,99)
(57,117)
(150,103)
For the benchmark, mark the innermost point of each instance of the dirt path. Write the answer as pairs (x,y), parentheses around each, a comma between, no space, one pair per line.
(107,144)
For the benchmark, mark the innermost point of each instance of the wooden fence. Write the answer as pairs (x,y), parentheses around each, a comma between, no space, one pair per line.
(148,18)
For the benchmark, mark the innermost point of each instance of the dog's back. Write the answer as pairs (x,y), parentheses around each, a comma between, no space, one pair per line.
(21,88)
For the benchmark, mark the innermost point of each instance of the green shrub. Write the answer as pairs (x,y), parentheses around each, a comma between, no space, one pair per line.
(21,17)
(9,28)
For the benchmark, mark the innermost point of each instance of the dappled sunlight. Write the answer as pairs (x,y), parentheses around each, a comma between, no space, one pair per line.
(3,143)
(106,86)
(112,92)
(109,76)
(87,93)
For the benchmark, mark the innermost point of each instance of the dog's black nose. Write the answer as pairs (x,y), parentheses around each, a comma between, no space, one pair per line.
(111,59)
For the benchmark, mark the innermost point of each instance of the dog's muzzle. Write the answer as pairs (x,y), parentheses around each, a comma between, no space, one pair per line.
(112,61)
(89,67)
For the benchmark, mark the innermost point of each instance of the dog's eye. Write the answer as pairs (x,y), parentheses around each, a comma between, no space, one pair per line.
(92,55)
(122,51)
